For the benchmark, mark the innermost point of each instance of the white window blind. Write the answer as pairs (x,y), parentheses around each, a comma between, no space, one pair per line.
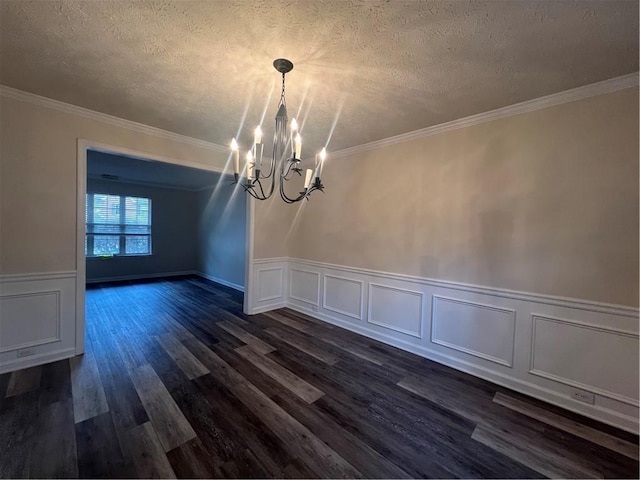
(117,225)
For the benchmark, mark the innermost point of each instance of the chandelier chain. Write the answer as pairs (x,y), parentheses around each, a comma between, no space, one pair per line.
(283,99)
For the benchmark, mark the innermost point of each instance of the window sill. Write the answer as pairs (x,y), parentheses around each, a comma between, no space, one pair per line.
(110,257)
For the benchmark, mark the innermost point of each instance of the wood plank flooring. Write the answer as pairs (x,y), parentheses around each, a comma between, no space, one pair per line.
(178,383)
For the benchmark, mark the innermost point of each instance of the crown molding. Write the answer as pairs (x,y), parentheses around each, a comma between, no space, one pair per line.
(567,96)
(34,99)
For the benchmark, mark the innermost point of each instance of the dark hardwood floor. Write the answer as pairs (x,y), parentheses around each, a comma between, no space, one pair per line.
(178,382)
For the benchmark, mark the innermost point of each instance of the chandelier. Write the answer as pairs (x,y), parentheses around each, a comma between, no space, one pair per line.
(260,173)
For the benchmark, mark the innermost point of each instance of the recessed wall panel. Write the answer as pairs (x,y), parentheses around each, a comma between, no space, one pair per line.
(304,286)
(343,295)
(484,331)
(269,284)
(29,319)
(601,360)
(396,309)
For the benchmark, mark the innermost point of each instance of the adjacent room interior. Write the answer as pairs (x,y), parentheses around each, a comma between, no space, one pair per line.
(150,219)
(417,257)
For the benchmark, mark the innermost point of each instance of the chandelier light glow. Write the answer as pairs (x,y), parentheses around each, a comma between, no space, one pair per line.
(280,165)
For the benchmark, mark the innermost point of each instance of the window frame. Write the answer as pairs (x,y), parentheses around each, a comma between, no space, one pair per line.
(122,235)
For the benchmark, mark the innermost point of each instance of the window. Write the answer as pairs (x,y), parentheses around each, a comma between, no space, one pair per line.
(117,225)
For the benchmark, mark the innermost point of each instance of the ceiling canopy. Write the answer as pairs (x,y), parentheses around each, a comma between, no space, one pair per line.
(373,69)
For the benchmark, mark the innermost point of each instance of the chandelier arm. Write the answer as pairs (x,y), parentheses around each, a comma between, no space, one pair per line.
(272,184)
(273,162)
(249,190)
(271,170)
(288,199)
(284,172)
(262,195)
(272,187)
(261,190)
(284,196)
(287,171)
(290,165)
(256,184)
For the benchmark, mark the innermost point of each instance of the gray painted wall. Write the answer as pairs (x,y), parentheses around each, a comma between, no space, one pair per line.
(174,224)
(222,233)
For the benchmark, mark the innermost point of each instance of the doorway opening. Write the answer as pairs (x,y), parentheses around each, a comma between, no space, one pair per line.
(142,217)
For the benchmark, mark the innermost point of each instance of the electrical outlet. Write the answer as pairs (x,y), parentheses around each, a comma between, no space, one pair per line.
(25,352)
(584,397)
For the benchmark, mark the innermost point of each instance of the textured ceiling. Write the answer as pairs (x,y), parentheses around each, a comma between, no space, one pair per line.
(380,68)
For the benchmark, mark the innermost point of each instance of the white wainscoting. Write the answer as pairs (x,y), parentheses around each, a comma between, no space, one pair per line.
(544,346)
(37,319)
(270,281)
(304,286)
(396,309)
(585,356)
(344,296)
(485,331)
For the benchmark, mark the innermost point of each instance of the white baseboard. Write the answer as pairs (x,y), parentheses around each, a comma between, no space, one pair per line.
(268,308)
(32,361)
(221,281)
(146,276)
(519,340)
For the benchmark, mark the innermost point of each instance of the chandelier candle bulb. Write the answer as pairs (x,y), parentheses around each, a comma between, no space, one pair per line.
(259,150)
(294,128)
(236,156)
(323,156)
(298,151)
(257,136)
(307,178)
